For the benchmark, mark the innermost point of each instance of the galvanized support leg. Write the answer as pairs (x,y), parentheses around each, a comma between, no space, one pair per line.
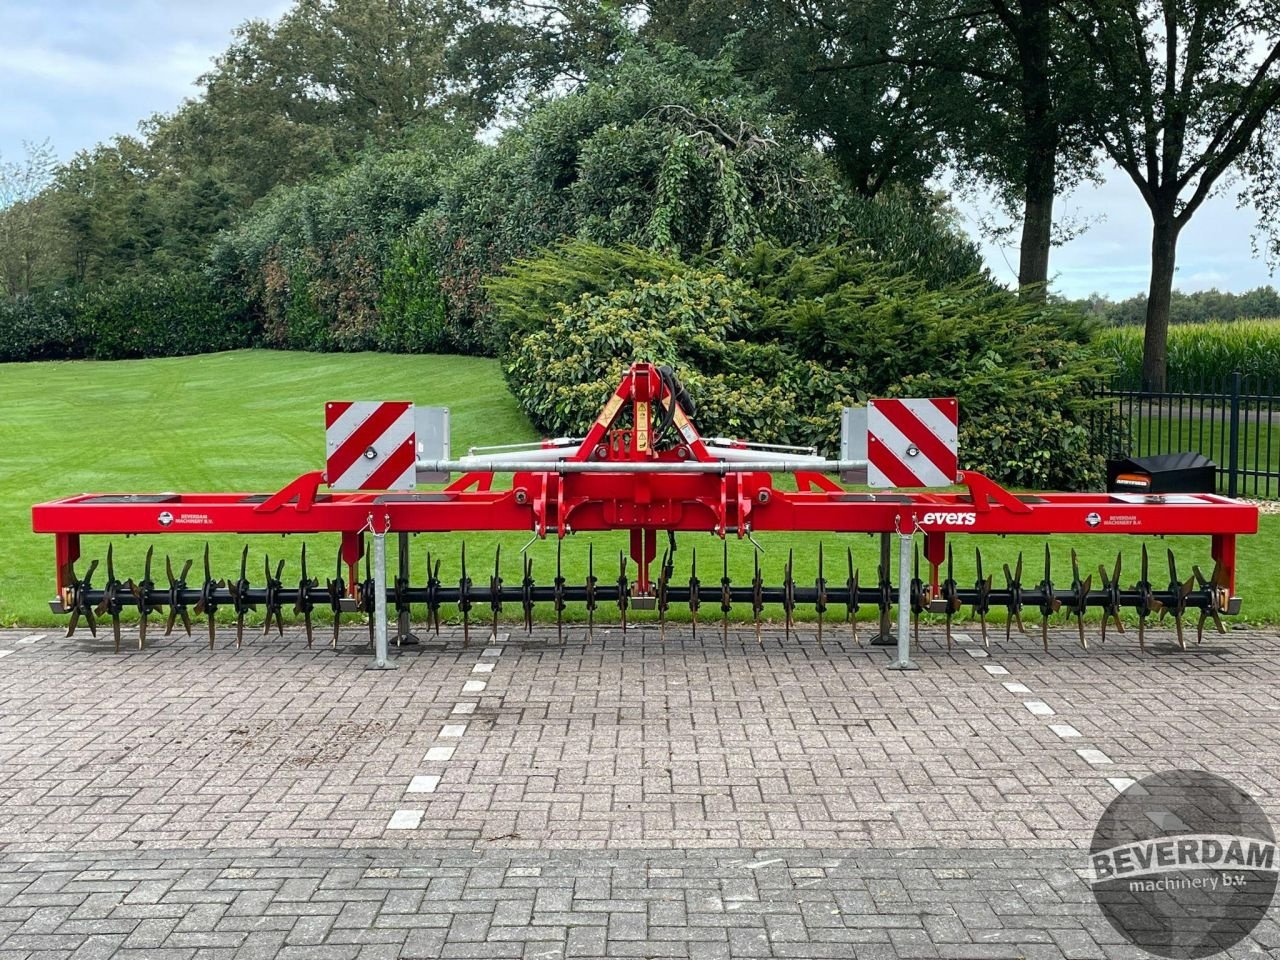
(404,624)
(905,542)
(884,636)
(380,661)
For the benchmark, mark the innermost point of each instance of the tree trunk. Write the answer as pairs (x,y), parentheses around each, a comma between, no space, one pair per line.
(1037,227)
(1040,148)
(1155,343)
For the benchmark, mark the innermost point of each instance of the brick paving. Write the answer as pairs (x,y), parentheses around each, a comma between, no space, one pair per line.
(622,797)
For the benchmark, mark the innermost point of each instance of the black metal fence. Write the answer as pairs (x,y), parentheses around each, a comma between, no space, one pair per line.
(1235,423)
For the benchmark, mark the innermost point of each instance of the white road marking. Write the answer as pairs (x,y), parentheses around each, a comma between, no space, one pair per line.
(435,754)
(1095,757)
(995,669)
(453,729)
(406,820)
(473,686)
(34,638)
(464,708)
(756,865)
(5,653)
(962,638)
(976,652)
(1065,730)
(1015,687)
(1121,783)
(491,652)
(426,783)
(1038,707)
(482,668)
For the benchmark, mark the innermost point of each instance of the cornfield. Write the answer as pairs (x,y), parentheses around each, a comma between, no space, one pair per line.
(1201,353)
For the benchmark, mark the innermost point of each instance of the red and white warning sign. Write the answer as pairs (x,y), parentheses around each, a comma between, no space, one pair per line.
(369,445)
(912,443)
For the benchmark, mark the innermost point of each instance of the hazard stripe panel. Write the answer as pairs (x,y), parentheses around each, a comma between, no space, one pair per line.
(912,443)
(370,445)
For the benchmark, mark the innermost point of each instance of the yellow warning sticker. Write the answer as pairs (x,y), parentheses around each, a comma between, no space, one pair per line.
(610,410)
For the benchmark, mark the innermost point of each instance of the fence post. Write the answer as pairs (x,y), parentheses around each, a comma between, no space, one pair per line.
(1233,455)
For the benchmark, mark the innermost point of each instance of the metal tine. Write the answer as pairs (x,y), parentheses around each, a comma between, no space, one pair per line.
(1210,609)
(591,591)
(433,576)
(1111,585)
(207,605)
(368,602)
(526,594)
(110,602)
(820,603)
(1049,602)
(726,596)
(559,594)
(982,600)
(238,596)
(950,593)
(1179,591)
(80,602)
(304,604)
(757,597)
(623,592)
(464,598)
(336,588)
(1080,595)
(176,607)
(695,598)
(1147,602)
(917,597)
(664,579)
(142,594)
(495,588)
(851,603)
(1013,582)
(272,601)
(789,591)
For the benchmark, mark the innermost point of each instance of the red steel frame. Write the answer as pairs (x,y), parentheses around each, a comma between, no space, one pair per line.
(733,503)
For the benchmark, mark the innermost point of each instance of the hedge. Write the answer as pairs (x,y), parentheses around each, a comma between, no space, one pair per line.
(772,347)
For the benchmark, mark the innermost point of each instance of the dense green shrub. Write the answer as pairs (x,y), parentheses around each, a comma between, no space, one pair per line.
(315,260)
(775,345)
(1202,353)
(160,316)
(39,327)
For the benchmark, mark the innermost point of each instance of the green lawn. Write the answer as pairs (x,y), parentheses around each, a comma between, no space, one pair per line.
(252,421)
(1259,448)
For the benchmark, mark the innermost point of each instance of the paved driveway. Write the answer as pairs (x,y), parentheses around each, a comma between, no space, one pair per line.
(619,797)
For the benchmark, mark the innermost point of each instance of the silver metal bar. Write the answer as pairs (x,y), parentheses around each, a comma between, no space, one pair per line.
(727,442)
(905,541)
(735,455)
(499,465)
(527,445)
(380,602)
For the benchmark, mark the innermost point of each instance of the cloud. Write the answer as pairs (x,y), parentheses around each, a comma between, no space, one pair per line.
(81,72)
(1113,257)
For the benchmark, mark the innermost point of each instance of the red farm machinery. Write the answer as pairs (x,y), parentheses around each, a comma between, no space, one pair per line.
(643,467)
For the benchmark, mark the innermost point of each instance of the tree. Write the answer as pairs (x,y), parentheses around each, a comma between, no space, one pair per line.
(26,239)
(895,89)
(296,98)
(1188,97)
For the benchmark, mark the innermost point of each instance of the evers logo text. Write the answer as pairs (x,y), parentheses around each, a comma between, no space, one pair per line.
(956,519)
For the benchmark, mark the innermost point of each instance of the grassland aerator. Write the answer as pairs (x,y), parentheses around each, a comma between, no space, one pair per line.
(643,467)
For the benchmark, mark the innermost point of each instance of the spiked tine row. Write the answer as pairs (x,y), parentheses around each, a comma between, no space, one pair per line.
(86,602)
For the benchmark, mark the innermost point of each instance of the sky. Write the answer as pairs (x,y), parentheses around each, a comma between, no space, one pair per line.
(77,73)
